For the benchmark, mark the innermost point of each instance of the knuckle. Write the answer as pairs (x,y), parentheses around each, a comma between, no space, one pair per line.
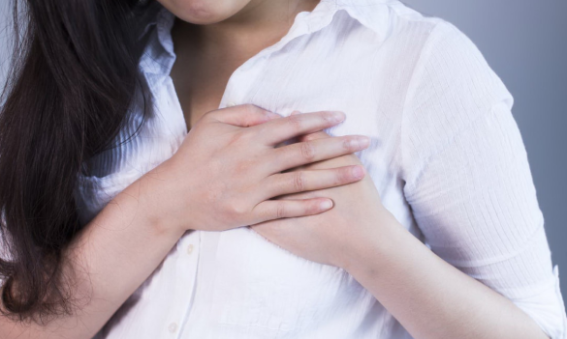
(305,138)
(348,144)
(310,137)
(307,150)
(296,121)
(299,181)
(280,210)
(237,210)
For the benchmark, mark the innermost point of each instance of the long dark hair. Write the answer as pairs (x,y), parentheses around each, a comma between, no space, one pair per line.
(74,76)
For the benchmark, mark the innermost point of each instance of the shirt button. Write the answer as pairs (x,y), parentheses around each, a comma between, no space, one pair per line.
(190,249)
(172,327)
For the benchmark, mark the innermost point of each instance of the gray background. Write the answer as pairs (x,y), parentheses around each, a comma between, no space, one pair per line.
(3,40)
(525,42)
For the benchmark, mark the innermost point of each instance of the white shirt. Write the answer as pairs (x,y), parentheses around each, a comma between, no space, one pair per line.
(446,156)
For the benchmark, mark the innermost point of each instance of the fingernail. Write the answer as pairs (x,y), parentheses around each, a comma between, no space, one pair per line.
(363,141)
(357,172)
(338,116)
(325,205)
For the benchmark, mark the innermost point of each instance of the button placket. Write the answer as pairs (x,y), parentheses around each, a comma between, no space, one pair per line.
(236,92)
(186,271)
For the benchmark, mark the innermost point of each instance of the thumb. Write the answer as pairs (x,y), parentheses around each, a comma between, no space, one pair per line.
(245,115)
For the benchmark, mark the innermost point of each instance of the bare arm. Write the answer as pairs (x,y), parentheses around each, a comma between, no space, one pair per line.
(433,299)
(485,296)
(127,240)
(114,254)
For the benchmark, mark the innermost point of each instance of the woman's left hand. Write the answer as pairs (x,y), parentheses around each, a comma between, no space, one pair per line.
(427,295)
(340,235)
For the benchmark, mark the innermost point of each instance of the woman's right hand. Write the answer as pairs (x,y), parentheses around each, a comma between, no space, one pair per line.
(228,168)
(221,177)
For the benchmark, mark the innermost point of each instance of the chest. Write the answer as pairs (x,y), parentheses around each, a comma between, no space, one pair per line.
(200,75)
(237,284)
(199,87)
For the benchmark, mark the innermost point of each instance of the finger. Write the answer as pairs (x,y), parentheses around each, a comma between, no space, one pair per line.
(277,209)
(313,136)
(289,141)
(310,136)
(301,153)
(245,115)
(309,180)
(279,130)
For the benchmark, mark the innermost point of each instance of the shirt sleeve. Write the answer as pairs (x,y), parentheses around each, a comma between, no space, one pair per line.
(467,178)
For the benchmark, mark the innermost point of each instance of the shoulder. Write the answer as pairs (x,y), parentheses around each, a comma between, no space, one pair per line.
(450,66)
(395,21)
(450,80)
(435,61)
(444,55)
(452,75)
(450,86)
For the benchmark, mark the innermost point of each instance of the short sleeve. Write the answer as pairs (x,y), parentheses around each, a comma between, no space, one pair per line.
(468,180)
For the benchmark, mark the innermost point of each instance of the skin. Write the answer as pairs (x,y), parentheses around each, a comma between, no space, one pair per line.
(212,42)
(140,226)
(122,246)
(363,238)
(119,249)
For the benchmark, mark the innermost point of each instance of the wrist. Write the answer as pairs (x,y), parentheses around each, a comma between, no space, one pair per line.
(374,253)
(155,204)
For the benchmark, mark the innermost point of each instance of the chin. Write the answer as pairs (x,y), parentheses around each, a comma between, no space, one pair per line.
(203,12)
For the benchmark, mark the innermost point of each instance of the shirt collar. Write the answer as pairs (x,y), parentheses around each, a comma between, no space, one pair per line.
(373,14)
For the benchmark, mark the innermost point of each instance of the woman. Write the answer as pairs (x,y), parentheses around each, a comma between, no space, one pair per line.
(222,232)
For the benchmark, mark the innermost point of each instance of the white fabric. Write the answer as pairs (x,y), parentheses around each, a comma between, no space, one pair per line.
(446,156)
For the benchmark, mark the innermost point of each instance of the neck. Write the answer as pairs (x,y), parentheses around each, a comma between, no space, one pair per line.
(259,24)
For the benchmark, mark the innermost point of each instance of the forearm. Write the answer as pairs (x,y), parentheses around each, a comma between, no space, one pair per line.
(431,298)
(114,255)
